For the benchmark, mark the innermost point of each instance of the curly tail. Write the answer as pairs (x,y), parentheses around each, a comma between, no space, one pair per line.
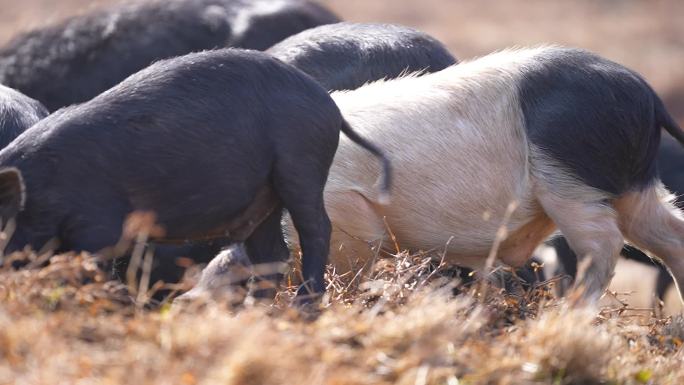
(384,196)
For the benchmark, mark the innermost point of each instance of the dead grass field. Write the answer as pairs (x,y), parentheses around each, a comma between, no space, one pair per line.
(403,327)
(64,324)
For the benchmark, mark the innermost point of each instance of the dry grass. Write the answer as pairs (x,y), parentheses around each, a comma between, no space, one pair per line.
(63,323)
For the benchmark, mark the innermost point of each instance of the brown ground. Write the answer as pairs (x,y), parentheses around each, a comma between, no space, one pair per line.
(403,327)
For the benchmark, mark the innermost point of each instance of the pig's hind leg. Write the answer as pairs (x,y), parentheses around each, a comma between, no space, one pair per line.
(650,221)
(267,251)
(589,223)
(299,183)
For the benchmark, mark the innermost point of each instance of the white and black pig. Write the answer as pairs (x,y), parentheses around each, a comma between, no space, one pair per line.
(571,138)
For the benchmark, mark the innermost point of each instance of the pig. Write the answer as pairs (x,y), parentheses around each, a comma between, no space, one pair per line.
(339,56)
(670,161)
(77,59)
(223,273)
(263,23)
(17,113)
(213,144)
(499,152)
(344,56)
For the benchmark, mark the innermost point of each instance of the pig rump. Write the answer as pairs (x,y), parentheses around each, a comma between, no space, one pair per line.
(567,135)
(192,139)
(670,160)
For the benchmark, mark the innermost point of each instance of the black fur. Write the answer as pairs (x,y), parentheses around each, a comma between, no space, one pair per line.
(347,55)
(77,59)
(17,113)
(191,139)
(270,21)
(375,150)
(600,120)
(670,162)
(671,167)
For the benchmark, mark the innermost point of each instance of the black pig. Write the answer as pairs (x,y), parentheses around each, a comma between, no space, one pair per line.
(17,113)
(75,60)
(344,56)
(263,23)
(196,140)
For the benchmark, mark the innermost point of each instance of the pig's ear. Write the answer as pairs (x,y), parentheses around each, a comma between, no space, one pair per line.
(12,193)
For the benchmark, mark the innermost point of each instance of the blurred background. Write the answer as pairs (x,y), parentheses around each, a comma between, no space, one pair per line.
(647,36)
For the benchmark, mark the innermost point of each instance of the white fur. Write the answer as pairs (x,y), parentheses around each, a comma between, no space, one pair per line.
(244,17)
(449,136)
(458,145)
(229,267)
(650,221)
